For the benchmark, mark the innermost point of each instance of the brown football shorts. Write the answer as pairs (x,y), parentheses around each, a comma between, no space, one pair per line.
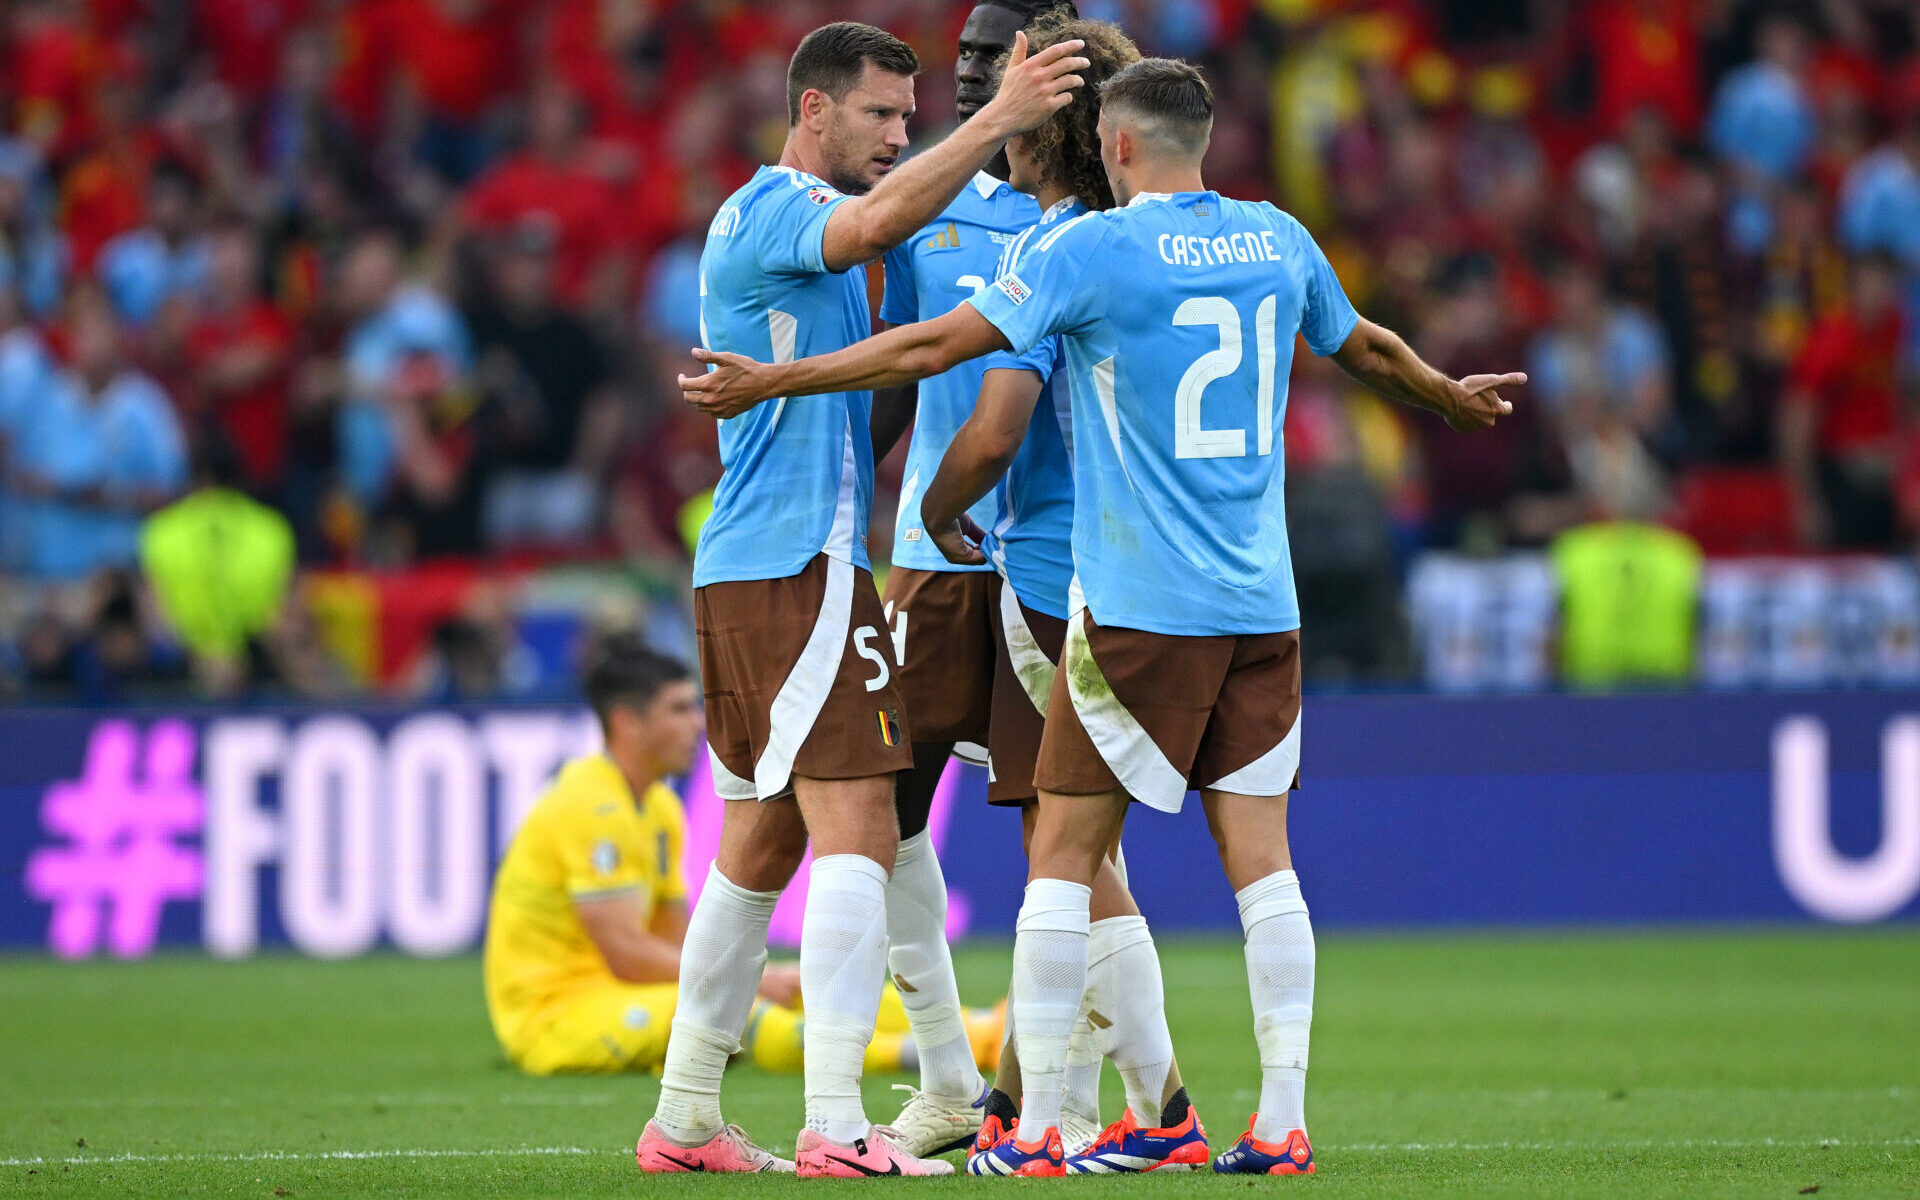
(799,680)
(943,630)
(1026,646)
(1157,714)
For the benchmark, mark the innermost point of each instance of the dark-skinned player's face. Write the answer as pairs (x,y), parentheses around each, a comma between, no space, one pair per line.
(987,35)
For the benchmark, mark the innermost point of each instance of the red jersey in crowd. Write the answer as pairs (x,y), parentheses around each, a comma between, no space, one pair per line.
(1848,369)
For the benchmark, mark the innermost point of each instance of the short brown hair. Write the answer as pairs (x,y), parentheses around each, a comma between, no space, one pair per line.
(1067,144)
(1165,92)
(832,58)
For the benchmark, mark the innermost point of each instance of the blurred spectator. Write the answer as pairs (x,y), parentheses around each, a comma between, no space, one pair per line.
(546,379)
(219,563)
(239,351)
(552,182)
(33,252)
(1880,206)
(100,449)
(1601,370)
(165,259)
(405,343)
(1762,125)
(1628,595)
(1841,416)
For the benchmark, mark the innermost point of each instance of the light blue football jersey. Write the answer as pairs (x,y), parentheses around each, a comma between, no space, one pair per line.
(798,473)
(1030,540)
(1177,316)
(927,275)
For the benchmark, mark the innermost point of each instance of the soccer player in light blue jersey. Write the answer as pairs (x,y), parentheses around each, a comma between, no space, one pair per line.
(1016,445)
(1177,315)
(805,731)
(938,613)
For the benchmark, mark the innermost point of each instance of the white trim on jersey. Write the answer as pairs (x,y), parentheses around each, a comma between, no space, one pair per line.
(1139,764)
(797,705)
(726,784)
(973,753)
(1269,775)
(986,184)
(905,515)
(839,545)
(1031,666)
(1046,243)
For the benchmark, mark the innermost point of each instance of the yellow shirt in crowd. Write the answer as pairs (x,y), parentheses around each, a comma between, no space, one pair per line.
(586,837)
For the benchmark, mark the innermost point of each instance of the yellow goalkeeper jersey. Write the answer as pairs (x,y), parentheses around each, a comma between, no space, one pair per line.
(586,837)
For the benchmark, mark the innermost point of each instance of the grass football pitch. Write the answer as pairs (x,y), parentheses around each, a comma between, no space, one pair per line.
(1699,1064)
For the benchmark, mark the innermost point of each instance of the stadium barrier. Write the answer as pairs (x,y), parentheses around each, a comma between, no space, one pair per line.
(336,832)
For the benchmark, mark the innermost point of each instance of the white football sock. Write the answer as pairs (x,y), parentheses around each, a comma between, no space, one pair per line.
(1050,977)
(1123,977)
(843,961)
(720,965)
(922,967)
(1081,1079)
(1280,976)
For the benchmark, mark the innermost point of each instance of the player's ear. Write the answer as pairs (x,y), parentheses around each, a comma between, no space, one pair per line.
(813,107)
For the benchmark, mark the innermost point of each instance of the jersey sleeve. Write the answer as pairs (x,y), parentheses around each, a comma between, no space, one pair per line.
(1053,286)
(1328,317)
(594,860)
(790,225)
(1041,358)
(900,304)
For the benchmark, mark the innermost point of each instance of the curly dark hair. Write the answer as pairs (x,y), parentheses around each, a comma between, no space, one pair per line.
(1067,145)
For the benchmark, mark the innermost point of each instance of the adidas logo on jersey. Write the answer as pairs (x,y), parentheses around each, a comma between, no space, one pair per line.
(946,239)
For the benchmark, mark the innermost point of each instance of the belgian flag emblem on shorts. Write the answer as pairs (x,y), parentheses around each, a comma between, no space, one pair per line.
(889,726)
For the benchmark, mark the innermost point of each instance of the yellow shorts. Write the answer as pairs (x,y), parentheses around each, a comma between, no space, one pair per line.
(620,1027)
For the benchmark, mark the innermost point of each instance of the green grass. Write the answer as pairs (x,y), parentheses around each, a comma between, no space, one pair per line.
(1686,1064)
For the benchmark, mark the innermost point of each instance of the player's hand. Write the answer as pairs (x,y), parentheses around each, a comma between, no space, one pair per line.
(735,384)
(1476,405)
(959,540)
(1033,89)
(780,984)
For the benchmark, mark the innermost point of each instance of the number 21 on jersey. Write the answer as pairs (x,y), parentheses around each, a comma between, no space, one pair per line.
(1191,437)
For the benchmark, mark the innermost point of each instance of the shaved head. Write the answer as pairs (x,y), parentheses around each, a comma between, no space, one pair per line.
(1164,102)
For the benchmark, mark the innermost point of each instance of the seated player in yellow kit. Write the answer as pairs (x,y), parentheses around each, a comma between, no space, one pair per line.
(590,905)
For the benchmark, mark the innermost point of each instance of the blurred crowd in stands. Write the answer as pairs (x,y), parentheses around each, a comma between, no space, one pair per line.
(298,296)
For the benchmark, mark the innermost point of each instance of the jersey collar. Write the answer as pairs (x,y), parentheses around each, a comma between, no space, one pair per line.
(1146,197)
(1064,205)
(987,185)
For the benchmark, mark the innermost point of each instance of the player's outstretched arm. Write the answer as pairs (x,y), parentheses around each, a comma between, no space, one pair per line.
(1377,357)
(905,354)
(979,455)
(1031,90)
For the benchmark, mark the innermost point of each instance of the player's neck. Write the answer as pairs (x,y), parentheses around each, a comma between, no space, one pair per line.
(802,152)
(639,774)
(1049,195)
(1164,181)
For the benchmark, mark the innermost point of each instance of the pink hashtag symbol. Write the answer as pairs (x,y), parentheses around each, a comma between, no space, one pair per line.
(123,860)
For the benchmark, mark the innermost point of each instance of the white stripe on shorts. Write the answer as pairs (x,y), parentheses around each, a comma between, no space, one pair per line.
(1127,750)
(726,784)
(1269,775)
(1031,666)
(804,694)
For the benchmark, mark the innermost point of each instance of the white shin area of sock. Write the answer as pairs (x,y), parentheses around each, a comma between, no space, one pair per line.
(921,963)
(1123,977)
(843,957)
(720,965)
(1049,980)
(1280,976)
(1081,1080)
